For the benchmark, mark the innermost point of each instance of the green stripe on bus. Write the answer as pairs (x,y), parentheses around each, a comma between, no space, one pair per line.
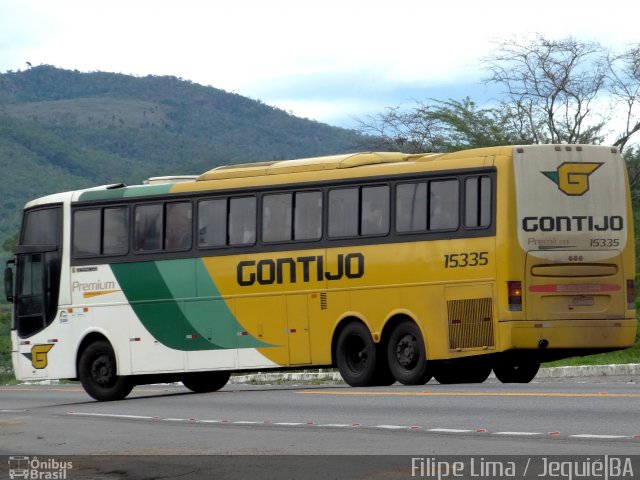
(178,303)
(125,192)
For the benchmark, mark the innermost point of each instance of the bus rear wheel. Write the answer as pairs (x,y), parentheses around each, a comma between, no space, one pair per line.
(203,382)
(407,355)
(516,370)
(356,355)
(382,377)
(462,372)
(98,373)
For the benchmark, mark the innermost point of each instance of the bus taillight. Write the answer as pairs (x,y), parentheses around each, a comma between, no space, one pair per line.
(631,295)
(515,295)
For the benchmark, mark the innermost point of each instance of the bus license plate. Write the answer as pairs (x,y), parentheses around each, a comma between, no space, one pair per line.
(582,302)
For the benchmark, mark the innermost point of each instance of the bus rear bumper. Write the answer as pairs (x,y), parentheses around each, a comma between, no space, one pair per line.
(567,334)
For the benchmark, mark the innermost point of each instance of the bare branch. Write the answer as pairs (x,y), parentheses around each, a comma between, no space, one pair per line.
(553,83)
(624,78)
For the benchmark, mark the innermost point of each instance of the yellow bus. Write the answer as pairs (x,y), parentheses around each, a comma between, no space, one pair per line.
(389,266)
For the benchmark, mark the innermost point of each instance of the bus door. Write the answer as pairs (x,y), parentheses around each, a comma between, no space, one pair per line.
(37,264)
(37,281)
(37,285)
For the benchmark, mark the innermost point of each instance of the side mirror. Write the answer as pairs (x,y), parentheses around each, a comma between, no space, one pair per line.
(8,281)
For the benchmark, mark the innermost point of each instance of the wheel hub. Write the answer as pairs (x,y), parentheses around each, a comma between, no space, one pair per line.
(406,351)
(357,354)
(102,371)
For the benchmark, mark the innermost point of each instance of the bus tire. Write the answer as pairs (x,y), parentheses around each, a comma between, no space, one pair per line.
(98,373)
(382,377)
(356,355)
(406,354)
(477,372)
(447,374)
(203,382)
(462,372)
(516,370)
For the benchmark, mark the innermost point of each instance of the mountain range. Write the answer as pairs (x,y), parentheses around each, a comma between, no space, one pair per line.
(63,129)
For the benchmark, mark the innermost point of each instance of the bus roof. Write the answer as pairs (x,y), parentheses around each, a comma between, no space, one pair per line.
(332,162)
(266,173)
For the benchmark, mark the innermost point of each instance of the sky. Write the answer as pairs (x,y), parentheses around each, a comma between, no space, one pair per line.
(331,61)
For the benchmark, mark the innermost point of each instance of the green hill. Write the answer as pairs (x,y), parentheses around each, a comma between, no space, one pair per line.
(62,130)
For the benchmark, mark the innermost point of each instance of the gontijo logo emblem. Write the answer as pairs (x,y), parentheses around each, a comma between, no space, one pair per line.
(38,355)
(572,178)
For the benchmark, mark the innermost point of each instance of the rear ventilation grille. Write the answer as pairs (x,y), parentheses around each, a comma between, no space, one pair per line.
(470,323)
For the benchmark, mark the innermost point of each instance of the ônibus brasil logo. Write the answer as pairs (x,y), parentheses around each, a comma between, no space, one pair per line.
(573,178)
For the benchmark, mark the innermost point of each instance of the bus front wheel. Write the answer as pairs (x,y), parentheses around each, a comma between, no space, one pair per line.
(407,355)
(98,373)
(356,355)
(203,382)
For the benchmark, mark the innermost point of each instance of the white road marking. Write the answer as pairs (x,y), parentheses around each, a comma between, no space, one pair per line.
(334,425)
(449,430)
(112,415)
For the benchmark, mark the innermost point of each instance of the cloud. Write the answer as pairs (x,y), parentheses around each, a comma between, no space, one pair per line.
(313,58)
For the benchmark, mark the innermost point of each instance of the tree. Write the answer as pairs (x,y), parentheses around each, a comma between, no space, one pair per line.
(632,159)
(624,81)
(552,91)
(10,243)
(440,126)
(551,87)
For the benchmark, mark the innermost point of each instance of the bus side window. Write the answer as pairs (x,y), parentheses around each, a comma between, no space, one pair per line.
(444,201)
(477,202)
(86,232)
(212,223)
(115,239)
(277,211)
(308,216)
(242,221)
(375,210)
(343,212)
(178,226)
(100,232)
(411,207)
(148,228)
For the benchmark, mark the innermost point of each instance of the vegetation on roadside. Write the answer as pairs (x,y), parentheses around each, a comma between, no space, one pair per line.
(628,355)
(6,371)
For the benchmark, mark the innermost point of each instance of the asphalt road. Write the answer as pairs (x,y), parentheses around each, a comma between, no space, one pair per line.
(577,417)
